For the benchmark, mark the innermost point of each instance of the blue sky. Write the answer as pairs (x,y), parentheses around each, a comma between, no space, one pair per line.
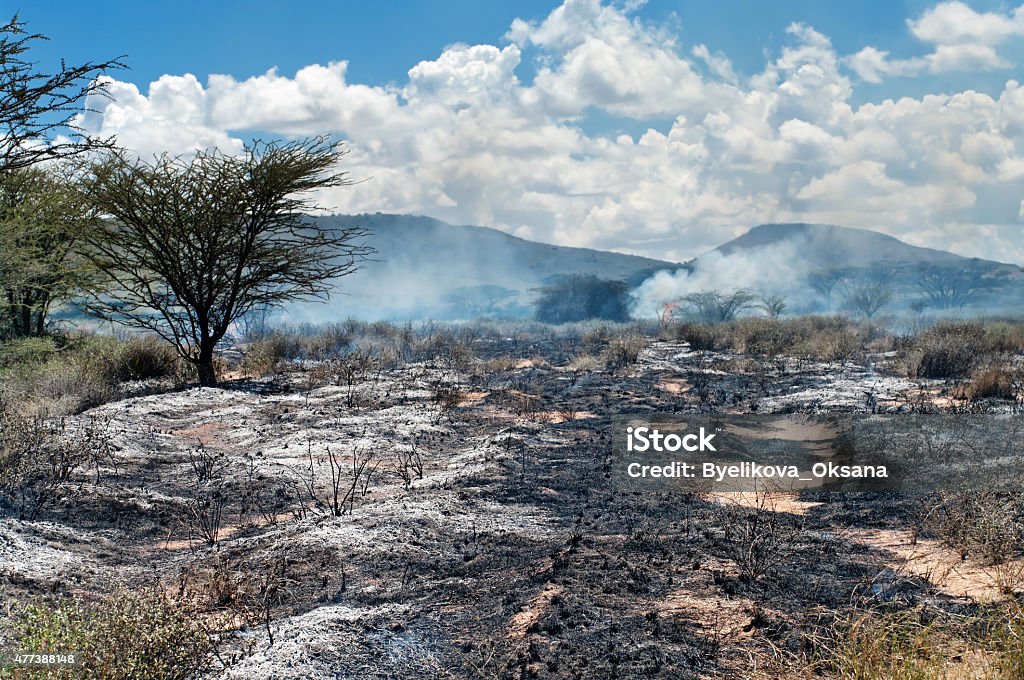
(661,128)
(383,39)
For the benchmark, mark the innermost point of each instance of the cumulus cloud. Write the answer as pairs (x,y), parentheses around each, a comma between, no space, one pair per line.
(465,139)
(963,40)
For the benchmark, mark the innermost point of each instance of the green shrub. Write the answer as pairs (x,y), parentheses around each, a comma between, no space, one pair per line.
(131,634)
(24,351)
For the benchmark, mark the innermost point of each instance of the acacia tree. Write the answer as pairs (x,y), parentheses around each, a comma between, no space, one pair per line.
(188,246)
(38,109)
(868,298)
(949,288)
(41,219)
(711,306)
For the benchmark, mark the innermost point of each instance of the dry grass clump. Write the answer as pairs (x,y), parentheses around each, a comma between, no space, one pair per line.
(954,349)
(583,363)
(623,350)
(498,364)
(991,382)
(820,337)
(924,644)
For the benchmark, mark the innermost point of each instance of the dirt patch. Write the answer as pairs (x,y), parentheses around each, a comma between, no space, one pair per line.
(771,501)
(942,567)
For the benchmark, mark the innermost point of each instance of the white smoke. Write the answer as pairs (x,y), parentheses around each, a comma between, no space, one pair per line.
(775,269)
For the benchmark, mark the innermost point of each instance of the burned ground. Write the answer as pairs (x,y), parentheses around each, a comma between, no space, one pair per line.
(453,517)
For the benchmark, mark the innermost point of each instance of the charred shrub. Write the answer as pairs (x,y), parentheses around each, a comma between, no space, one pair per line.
(759,539)
(39,456)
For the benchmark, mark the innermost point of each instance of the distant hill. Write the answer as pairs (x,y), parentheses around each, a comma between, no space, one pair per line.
(801,260)
(426,268)
(826,245)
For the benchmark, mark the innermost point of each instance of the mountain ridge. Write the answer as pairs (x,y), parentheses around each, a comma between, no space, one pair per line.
(428,268)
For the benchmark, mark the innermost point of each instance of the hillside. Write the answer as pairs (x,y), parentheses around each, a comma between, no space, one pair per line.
(816,267)
(828,245)
(426,268)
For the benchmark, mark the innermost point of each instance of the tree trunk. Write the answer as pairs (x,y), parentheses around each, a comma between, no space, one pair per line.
(207,374)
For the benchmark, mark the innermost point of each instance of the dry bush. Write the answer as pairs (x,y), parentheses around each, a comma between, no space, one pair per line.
(262,357)
(991,382)
(954,349)
(59,376)
(596,340)
(623,350)
(819,337)
(451,347)
(699,336)
(989,524)
(922,644)
(759,539)
(139,358)
(950,354)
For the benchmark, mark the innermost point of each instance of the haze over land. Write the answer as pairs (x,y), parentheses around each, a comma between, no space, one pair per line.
(427,269)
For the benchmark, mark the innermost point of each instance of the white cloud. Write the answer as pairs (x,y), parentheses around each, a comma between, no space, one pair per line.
(718,64)
(953,23)
(465,139)
(963,40)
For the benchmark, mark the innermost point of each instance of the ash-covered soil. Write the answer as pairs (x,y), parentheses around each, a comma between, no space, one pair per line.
(443,521)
